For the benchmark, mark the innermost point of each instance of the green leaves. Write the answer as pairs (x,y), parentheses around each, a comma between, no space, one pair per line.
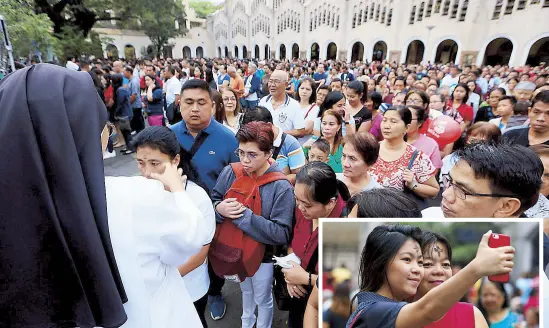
(204,8)
(24,27)
(158,22)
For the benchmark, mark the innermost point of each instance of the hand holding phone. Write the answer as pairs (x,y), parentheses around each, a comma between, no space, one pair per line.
(496,241)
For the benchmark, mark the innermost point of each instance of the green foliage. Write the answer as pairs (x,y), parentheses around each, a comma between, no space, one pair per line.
(24,26)
(204,8)
(158,22)
(72,43)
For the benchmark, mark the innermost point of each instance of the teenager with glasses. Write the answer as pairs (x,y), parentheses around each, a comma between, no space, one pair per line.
(486,182)
(272,228)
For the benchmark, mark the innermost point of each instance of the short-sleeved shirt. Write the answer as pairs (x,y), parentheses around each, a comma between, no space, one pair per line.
(430,147)
(375,311)
(310,113)
(216,152)
(198,280)
(520,136)
(286,117)
(133,89)
(291,154)
(237,84)
(173,88)
(223,78)
(320,76)
(466,111)
(363,115)
(389,174)
(334,160)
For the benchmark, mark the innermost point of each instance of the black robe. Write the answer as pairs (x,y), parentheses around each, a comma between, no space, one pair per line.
(57,267)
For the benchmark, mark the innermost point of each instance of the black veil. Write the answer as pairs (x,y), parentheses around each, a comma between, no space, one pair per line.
(57,267)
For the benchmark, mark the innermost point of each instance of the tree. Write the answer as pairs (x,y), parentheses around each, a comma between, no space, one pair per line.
(82,15)
(159,22)
(29,32)
(204,8)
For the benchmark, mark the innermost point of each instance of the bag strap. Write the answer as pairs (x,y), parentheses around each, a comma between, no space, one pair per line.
(413,159)
(277,149)
(310,108)
(200,139)
(271,177)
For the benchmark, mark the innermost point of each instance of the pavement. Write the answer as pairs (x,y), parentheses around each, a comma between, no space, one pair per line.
(125,165)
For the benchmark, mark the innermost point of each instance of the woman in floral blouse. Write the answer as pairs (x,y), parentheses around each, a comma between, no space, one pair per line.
(391,167)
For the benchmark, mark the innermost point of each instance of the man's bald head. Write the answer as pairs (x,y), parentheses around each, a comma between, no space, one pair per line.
(117,66)
(279,75)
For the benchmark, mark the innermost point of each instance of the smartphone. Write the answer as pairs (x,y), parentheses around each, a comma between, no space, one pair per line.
(499,240)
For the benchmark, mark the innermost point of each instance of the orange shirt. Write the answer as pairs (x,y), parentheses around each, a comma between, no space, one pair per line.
(237,84)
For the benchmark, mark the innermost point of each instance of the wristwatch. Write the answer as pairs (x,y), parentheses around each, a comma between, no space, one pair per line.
(414,184)
(347,122)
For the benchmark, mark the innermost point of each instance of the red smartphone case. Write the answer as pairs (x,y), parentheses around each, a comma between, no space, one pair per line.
(495,241)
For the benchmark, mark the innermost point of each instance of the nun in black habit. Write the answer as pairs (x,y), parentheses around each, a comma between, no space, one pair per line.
(57,267)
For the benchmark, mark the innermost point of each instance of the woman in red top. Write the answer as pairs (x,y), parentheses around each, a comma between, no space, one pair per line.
(318,194)
(437,268)
(458,101)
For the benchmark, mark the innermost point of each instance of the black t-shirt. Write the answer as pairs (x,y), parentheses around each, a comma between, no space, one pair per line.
(334,320)
(519,137)
(363,115)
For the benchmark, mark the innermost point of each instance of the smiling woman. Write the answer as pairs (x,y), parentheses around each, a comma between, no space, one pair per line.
(437,267)
(395,266)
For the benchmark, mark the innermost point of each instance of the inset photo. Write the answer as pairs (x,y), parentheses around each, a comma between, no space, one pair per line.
(430,274)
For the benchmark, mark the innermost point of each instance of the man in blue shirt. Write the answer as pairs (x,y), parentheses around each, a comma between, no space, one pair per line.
(211,147)
(138,122)
(320,75)
(346,75)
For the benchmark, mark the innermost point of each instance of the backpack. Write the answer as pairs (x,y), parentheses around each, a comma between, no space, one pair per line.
(233,252)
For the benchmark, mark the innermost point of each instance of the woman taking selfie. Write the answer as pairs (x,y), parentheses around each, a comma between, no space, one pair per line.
(437,267)
(391,270)
(318,194)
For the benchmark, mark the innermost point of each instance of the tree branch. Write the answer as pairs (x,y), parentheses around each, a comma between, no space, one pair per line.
(107,18)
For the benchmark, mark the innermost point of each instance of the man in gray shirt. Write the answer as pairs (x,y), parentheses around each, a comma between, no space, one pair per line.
(138,122)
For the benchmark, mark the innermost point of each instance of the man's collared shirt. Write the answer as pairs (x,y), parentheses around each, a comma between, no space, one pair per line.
(216,152)
(287,116)
(291,154)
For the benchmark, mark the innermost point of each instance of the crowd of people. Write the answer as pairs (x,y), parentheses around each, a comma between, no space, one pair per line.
(266,150)
(372,123)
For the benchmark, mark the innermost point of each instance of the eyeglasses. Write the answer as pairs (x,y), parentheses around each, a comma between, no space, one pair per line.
(233,99)
(242,154)
(414,102)
(462,194)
